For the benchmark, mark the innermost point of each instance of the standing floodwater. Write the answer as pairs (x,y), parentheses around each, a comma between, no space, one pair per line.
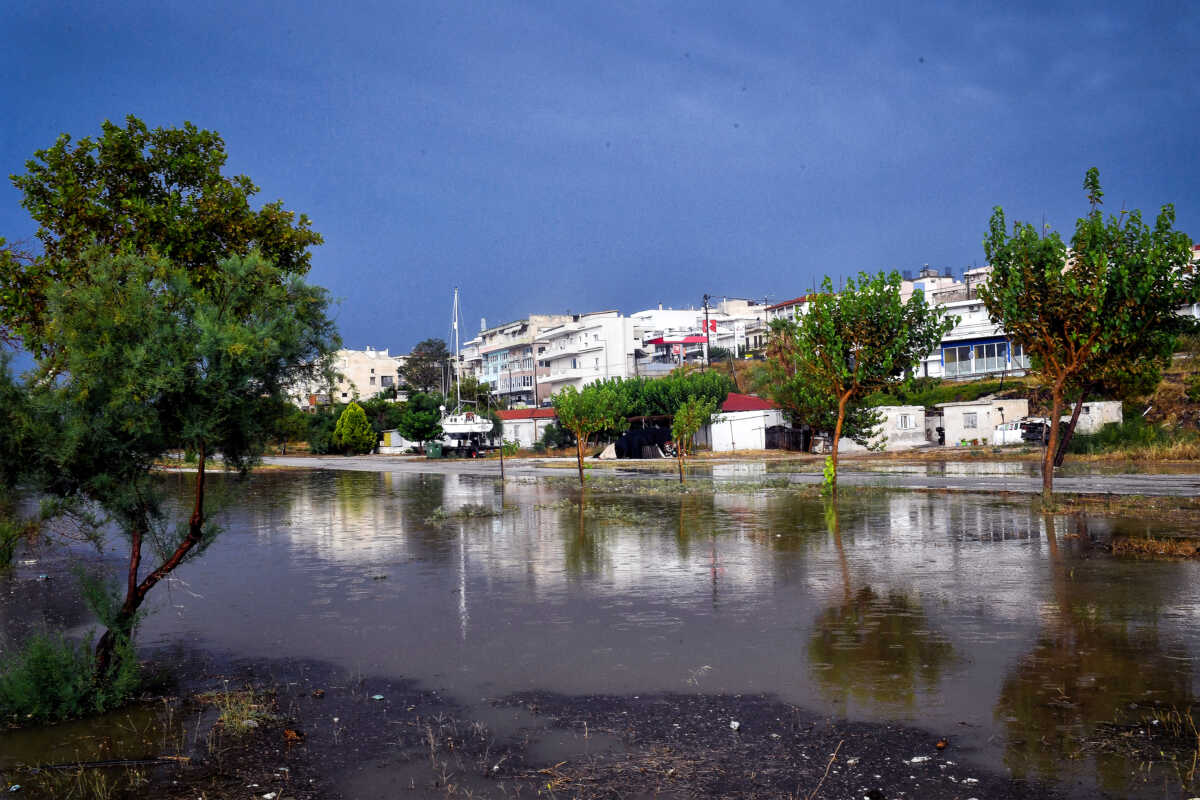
(974,618)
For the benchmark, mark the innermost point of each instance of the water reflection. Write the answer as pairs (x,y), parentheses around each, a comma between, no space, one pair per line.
(877,649)
(934,608)
(1098,658)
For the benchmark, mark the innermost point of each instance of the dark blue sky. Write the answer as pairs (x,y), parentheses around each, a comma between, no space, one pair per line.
(553,156)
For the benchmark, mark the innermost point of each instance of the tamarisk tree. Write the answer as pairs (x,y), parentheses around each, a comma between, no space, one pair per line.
(692,415)
(1104,311)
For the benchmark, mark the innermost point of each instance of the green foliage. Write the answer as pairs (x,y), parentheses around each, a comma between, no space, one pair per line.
(421,418)
(145,192)
(1192,390)
(52,678)
(692,415)
(598,407)
(319,434)
(651,397)
(931,391)
(556,437)
(1134,433)
(353,433)
(1102,311)
(719,354)
(829,476)
(383,414)
(425,367)
(847,345)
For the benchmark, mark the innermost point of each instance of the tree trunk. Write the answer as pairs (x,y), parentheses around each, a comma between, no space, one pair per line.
(579,456)
(1052,445)
(837,435)
(122,626)
(1061,454)
(679,456)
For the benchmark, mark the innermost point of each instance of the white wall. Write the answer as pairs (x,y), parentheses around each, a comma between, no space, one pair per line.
(890,433)
(988,414)
(1095,416)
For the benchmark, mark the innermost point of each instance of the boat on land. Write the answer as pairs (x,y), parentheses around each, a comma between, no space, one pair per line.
(464,425)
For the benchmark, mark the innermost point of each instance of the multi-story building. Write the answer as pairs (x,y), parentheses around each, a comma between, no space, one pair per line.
(507,360)
(362,374)
(588,348)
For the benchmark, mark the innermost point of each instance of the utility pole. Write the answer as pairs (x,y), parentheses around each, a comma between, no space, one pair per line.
(707,342)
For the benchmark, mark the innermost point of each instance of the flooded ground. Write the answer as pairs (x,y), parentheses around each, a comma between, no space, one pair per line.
(1008,632)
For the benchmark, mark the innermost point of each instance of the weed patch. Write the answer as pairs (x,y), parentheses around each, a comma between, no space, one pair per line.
(53,678)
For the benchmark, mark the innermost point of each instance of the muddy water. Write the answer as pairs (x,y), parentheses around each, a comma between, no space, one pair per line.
(974,618)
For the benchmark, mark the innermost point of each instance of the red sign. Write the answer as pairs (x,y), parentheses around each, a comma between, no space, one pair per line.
(676,349)
(712,325)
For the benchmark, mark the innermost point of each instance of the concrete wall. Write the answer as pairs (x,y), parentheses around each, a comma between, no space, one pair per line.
(525,432)
(902,428)
(1095,416)
(987,415)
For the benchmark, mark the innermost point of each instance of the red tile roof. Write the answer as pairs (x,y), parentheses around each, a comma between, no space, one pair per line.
(526,413)
(793,302)
(746,402)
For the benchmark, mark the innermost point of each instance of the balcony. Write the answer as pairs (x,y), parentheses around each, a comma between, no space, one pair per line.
(564,375)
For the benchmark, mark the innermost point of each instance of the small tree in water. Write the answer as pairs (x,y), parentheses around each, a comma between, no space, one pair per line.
(596,408)
(694,414)
(849,344)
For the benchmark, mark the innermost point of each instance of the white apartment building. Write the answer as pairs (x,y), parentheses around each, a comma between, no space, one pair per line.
(506,358)
(589,348)
(362,374)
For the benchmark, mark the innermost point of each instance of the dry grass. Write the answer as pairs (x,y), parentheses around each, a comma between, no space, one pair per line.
(1151,546)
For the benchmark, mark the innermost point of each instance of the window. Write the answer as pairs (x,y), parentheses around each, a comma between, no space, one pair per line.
(372,379)
(971,420)
(906,422)
(989,357)
(344,395)
(596,365)
(958,360)
(385,380)
(1019,359)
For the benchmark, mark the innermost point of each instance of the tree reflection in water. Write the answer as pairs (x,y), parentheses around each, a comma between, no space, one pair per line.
(875,649)
(1092,668)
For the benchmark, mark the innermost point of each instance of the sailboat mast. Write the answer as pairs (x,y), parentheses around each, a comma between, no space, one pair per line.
(457,357)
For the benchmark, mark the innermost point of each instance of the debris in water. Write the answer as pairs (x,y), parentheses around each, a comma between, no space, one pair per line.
(376,697)
(918,759)
(318,693)
(734,724)
(942,743)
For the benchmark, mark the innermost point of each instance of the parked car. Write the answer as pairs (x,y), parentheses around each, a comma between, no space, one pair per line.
(1035,429)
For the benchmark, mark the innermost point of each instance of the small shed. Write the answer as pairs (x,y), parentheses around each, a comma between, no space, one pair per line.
(973,421)
(741,424)
(1094,416)
(525,426)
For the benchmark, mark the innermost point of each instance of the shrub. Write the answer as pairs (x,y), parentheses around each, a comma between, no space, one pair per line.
(1135,433)
(52,678)
(353,433)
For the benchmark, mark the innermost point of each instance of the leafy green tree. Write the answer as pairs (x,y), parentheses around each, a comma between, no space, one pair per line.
(146,360)
(425,366)
(849,344)
(383,414)
(421,418)
(662,396)
(1104,309)
(149,192)
(787,380)
(597,407)
(690,417)
(353,433)
(476,392)
(290,425)
(320,429)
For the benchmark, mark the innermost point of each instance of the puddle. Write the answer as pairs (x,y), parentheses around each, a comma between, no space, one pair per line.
(959,612)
